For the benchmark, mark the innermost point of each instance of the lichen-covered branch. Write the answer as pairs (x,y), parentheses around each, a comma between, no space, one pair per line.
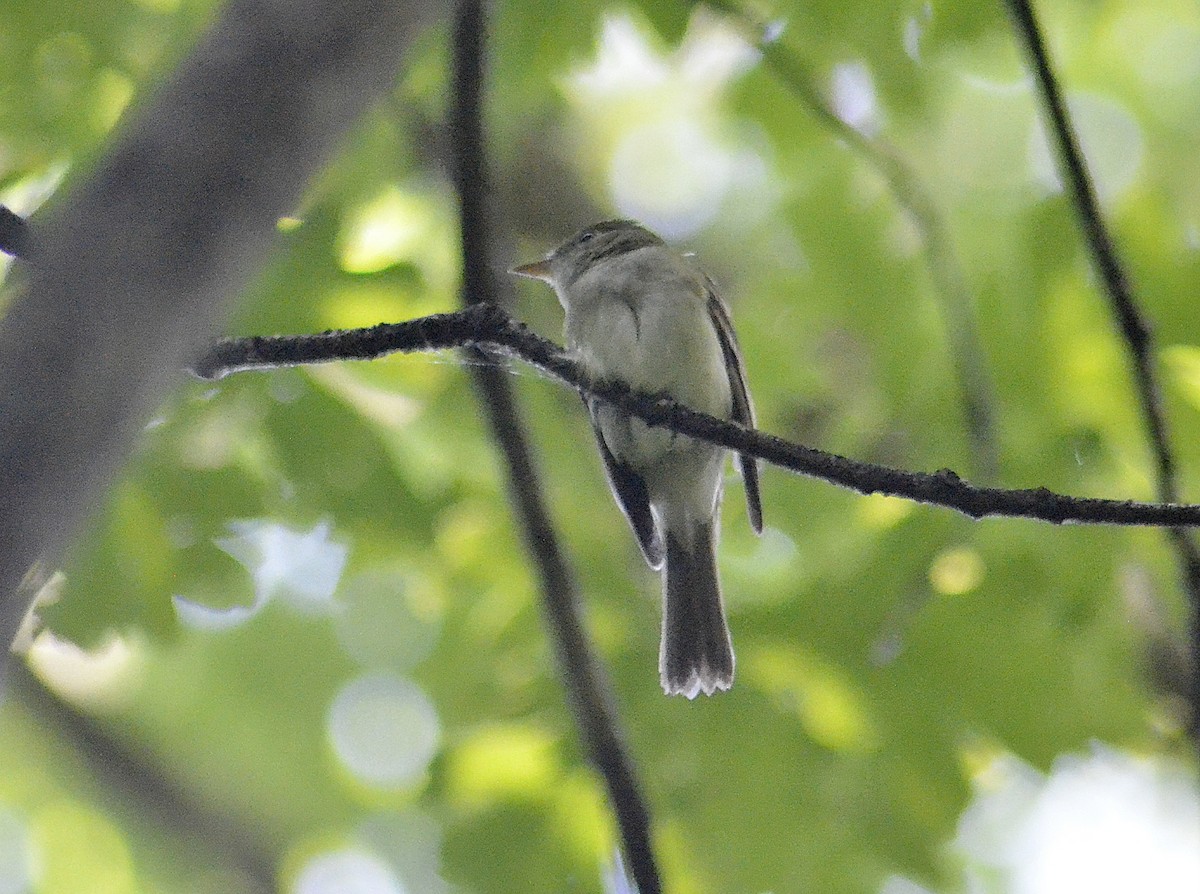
(485,325)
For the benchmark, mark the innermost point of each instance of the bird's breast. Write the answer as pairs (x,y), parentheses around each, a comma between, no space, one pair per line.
(655,334)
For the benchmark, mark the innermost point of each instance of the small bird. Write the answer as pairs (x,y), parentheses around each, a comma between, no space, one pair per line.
(639,312)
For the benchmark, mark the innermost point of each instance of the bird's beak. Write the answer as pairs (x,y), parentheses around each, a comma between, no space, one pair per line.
(536,270)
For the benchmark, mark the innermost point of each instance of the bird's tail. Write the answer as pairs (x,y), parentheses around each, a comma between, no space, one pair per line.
(696,653)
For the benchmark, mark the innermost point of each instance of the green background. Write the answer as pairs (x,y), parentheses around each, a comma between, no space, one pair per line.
(886,651)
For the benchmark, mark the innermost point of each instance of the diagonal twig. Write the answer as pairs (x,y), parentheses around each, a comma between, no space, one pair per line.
(588,688)
(148,794)
(945,271)
(485,325)
(1133,325)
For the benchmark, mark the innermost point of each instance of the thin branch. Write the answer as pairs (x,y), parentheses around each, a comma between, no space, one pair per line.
(590,693)
(1133,325)
(485,325)
(1117,288)
(945,271)
(14,233)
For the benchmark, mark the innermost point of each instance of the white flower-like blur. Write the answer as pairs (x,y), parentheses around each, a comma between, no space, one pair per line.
(1106,822)
(654,122)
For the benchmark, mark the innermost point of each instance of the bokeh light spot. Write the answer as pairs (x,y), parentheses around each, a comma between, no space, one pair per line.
(1104,823)
(504,763)
(653,121)
(411,843)
(763,570)
(881,512)
(114,90)
(346,872)
(81,851)
(956,571)
(1182,363)
(384,730)
(376,625)
(671,175)
(827,702)
(98,677)
(625,62)
(16,857)
(300,568)
(409,225)
(381,232)
(852,95)
(896,884)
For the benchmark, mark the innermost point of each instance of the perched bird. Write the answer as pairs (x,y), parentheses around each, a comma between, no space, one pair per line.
(639,312)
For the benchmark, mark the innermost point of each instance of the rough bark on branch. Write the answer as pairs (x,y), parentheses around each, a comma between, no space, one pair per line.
(485,325)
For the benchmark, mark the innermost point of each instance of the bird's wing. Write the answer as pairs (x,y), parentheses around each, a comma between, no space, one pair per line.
(630,492)
(743,407)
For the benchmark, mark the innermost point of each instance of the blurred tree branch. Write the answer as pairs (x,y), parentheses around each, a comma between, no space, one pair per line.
(14,233)
(957,302)
(137,263)
(485,325)
(1134,328)
(147,794)
(589,691)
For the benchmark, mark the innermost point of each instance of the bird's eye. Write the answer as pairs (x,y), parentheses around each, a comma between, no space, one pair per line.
(586,236)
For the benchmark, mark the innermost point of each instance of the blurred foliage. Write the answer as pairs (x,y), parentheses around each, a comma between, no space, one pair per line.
(882,647)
